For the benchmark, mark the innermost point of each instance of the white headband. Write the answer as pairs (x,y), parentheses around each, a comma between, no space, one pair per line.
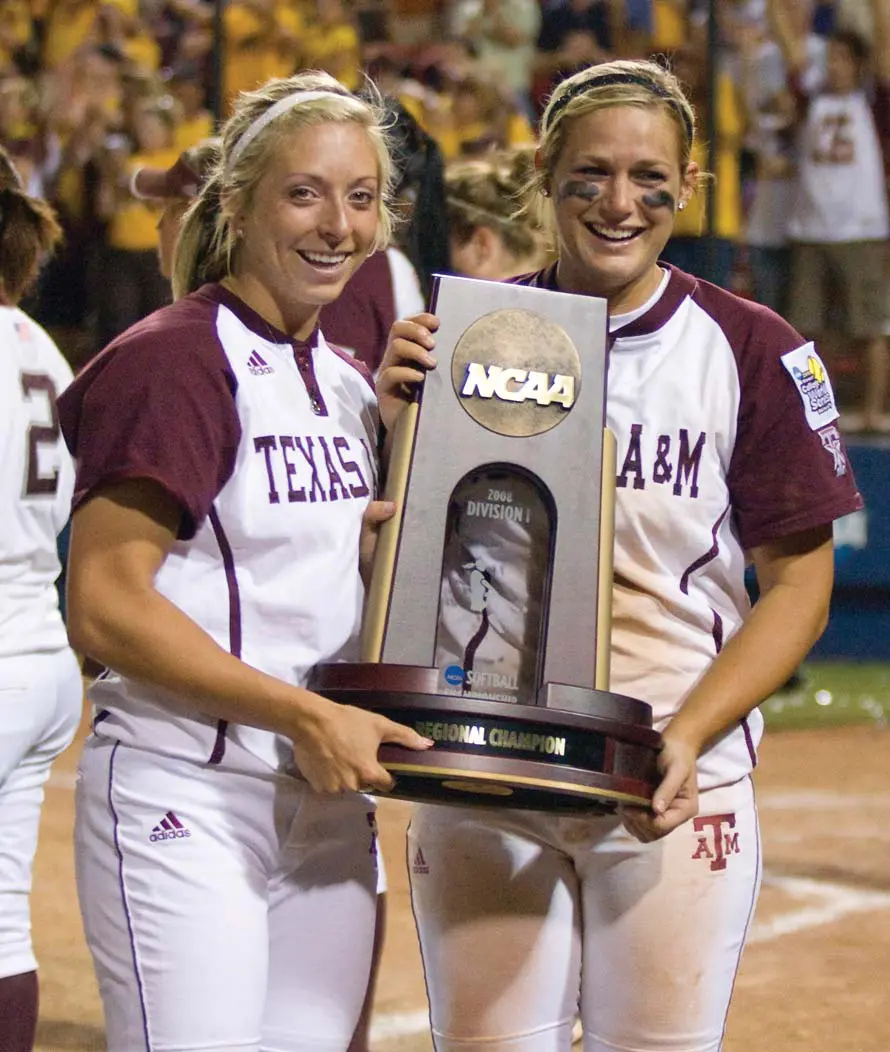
(273,113)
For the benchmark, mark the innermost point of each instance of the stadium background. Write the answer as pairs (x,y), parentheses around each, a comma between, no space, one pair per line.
(85,87)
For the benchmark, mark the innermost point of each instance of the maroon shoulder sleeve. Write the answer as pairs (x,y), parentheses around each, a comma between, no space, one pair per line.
(789,470)
(159,404)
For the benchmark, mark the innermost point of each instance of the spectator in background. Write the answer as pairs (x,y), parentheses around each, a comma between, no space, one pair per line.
(771,141)
(23,134)
(477,118)
(16,34)
(261,41)
(330,42)
(415,22)
(670,24)
(573,34)
(84,107)
(68,26)
(841,220)
(128,269)
(693,247)
(195,121)
(503,33)
(118,25)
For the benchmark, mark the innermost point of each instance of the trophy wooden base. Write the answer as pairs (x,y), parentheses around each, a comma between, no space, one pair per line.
(574,751)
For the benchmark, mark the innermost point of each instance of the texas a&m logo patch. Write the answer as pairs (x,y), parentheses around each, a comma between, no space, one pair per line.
(717,840)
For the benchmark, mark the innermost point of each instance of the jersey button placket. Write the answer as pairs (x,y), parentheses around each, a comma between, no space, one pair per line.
(307,372)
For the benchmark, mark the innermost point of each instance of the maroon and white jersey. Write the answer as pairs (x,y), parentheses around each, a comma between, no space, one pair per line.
(841,187)
(727,438)
(36,480)
(268,445)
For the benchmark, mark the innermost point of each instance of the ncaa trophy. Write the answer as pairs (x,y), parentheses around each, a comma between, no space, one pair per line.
(488,616)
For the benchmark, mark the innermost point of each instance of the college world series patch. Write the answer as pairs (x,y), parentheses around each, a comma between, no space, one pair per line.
(811,379)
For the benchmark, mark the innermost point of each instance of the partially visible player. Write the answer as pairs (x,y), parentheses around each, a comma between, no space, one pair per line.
(40,688)
(725,422)
(483,196)
(226,456)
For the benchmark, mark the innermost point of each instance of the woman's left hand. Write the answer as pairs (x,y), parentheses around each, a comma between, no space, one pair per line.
(405,363)
(675,800)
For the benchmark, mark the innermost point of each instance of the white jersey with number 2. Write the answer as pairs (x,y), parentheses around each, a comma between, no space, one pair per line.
(37,480)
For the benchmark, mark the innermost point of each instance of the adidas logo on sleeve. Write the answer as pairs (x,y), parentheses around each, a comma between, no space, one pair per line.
(169,828)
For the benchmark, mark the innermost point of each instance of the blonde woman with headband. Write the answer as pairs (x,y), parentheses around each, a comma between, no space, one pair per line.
(728,454)
(226,458)
(483,196)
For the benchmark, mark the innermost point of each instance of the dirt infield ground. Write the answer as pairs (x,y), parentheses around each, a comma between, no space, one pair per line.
(814,977)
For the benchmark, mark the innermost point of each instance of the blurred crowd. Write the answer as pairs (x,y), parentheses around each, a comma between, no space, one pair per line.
(90,90)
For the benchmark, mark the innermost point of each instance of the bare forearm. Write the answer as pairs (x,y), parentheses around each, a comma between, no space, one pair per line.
(148,638)
(756,661)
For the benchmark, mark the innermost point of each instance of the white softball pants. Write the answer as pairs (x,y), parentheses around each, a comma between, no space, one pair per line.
(526,919)
(224,911)
(41,700)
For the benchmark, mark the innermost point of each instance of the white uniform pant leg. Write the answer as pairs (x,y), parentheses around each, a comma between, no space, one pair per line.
(177,925)
(41,699)
(322,919)
(664,928)
(497,911)
(224,911)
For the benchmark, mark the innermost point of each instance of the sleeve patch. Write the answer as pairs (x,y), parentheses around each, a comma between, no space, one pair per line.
(810,377)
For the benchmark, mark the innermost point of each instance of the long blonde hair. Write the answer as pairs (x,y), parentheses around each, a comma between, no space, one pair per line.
(207,240)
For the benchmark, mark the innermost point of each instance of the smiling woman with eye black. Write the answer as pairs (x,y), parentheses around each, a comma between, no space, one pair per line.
(728,453)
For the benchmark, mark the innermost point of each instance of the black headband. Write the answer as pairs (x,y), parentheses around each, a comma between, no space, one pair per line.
(619,78)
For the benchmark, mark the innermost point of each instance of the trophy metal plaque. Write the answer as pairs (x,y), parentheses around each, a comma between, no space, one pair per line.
(488,617)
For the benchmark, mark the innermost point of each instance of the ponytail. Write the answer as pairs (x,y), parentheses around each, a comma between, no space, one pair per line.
(204,247)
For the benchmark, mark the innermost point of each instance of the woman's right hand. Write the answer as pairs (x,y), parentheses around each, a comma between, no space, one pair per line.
(405,363)
(336,750)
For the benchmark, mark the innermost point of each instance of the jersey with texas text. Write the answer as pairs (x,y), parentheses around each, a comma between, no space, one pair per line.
(268,446)
(727,437)
(36,480)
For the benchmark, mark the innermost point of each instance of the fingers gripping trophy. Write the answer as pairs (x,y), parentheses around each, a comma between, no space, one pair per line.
(487,623)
